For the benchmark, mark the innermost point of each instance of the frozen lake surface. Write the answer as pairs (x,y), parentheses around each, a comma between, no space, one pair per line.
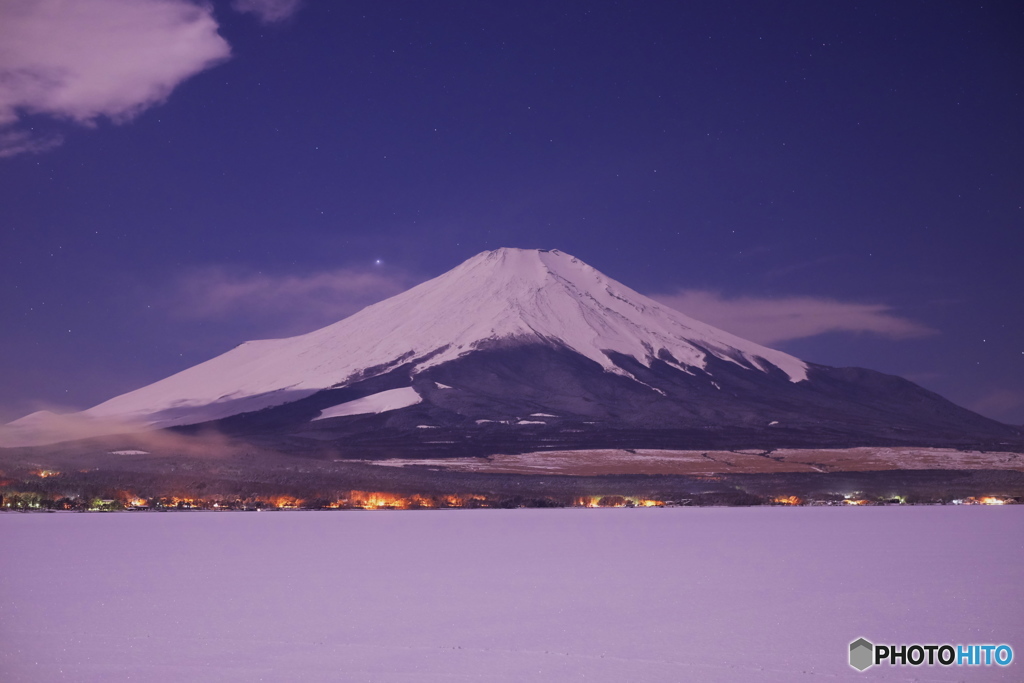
(684,594)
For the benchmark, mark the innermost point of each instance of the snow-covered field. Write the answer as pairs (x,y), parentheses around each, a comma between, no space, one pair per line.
(684,594)
(653,461)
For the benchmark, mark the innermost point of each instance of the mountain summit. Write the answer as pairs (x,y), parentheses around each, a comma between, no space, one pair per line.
(519,348)
(505,296)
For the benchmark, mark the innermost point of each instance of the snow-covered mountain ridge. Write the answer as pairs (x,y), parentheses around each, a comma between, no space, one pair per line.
(519,350)
(514,295)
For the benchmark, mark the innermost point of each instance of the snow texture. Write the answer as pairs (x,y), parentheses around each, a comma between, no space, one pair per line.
(601,461)
(503,596)
(501,296)
(393,399)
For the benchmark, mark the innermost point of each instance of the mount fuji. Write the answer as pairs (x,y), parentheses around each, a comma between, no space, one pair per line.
(517,350)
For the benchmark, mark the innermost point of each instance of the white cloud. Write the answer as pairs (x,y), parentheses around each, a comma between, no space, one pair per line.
(268,11)
(767,321)
(282,304)
(81,60)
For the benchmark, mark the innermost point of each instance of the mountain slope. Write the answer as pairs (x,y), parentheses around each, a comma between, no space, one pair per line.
(522,349)
(506,295)
(537,397)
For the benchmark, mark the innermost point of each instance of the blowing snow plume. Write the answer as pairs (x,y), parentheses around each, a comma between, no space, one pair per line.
(44,426)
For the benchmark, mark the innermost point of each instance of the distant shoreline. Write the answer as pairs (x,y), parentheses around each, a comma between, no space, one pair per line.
(81,478)
(416,489)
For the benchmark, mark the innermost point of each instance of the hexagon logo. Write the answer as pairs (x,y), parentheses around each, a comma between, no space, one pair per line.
(861,654)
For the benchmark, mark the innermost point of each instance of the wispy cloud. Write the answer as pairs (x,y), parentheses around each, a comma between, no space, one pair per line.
(772,320)
(268,11)
(282,304)
(82,60)
(15,142)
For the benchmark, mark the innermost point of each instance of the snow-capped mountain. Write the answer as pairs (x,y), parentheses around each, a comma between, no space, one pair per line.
(524,338)
(513,295)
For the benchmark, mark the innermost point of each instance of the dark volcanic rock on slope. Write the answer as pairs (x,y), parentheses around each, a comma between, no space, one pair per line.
(541,397)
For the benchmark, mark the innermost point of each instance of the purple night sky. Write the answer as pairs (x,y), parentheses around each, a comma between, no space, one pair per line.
(842,182)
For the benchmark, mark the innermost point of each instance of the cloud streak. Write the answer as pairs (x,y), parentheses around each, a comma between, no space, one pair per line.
(268,11)
(15,142)
(768,320)
(82,60)
(282,304)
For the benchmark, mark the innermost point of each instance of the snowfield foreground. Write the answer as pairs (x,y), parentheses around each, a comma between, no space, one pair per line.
(684,594)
